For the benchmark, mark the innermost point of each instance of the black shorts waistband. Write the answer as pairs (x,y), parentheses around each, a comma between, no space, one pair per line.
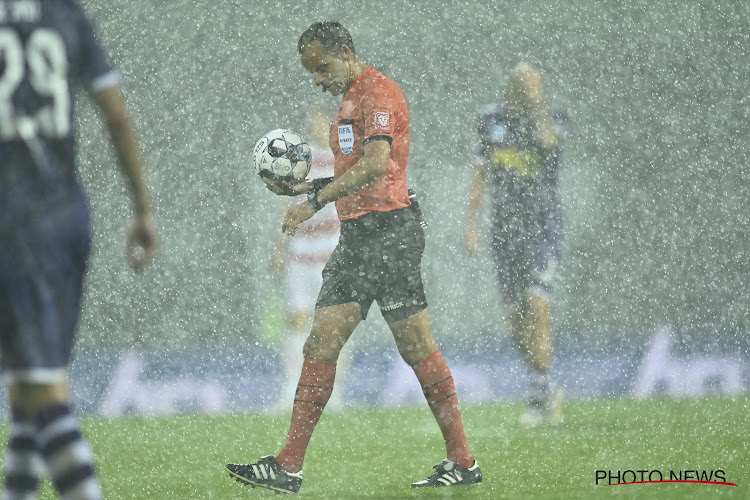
(378,220)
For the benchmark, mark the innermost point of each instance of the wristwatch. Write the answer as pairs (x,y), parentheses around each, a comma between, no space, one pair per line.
(312,197)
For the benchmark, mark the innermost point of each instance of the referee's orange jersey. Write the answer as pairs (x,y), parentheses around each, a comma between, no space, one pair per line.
(374,108)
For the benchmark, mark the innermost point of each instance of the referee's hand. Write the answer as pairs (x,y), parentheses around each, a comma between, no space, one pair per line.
(295,216)
(286,189)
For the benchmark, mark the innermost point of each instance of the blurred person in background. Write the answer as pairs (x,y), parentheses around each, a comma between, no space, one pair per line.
(299,262)
(520,143)
(48,50)
(378,259)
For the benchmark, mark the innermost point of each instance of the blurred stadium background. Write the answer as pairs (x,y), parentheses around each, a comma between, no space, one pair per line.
(655,184)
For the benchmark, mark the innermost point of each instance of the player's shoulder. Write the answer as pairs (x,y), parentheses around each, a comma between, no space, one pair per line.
(67,16)
(63,7)
(25,12)
(382,91)
(380,82)
(72,5)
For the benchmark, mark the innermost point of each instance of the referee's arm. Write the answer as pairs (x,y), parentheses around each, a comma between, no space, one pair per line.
(371,166)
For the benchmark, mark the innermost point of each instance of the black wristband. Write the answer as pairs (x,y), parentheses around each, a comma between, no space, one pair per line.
(321,182)
(312,197)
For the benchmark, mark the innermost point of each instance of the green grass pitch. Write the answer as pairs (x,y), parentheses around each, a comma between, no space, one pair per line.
(379,452)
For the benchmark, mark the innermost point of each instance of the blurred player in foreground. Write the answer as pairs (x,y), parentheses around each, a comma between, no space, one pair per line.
(300,261)
(520,153)
(378,258)
(47,51)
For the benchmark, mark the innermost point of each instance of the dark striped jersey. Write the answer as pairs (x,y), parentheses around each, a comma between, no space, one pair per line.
(48,51)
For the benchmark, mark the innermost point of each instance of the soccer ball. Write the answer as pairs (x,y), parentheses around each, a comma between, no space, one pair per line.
(282,155)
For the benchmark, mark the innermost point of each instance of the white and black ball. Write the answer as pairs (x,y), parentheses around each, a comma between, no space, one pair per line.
(282,156)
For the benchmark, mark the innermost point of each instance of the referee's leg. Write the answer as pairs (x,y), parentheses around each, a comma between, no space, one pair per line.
(332,327)
(417,347)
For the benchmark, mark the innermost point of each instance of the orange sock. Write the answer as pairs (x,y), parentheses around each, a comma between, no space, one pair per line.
(437,384)
(313,391)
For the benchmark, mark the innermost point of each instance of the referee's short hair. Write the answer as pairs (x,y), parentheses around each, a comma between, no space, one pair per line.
(330,34)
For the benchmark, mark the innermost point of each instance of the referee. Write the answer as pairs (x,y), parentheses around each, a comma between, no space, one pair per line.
(378,259)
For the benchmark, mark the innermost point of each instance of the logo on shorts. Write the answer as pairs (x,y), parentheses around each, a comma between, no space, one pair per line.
(382,120)
(392,307)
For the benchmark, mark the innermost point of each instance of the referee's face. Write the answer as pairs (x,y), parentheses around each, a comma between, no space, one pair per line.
(329,72)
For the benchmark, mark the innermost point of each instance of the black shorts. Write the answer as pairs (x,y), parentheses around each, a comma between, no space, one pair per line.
(378,258)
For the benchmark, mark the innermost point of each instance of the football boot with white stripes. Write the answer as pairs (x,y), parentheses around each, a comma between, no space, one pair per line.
(266,473)
(449,473)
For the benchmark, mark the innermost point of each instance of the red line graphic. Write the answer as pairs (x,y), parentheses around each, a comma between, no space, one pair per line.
(673,481)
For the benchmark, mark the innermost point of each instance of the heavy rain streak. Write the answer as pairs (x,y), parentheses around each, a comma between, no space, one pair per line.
(654,185)
(651,296)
